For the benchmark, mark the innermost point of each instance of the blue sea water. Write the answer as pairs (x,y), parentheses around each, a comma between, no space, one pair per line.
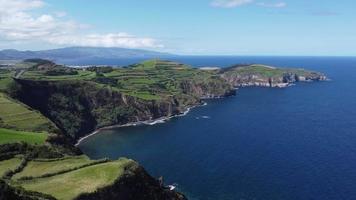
(264,143)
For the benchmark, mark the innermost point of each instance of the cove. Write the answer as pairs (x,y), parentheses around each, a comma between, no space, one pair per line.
(264,143)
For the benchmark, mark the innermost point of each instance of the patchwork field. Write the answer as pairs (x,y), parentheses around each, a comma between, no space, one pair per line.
(38,168)
(70,185)
(10,164)
(18,116)
(11,136)
(149,80)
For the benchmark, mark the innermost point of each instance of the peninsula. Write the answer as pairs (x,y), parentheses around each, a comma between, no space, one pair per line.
(45,108)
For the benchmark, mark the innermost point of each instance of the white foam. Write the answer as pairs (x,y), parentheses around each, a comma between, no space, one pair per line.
(147,122)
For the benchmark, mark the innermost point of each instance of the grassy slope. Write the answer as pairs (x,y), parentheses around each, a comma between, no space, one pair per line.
(266,71)
(71,184)
(5,78)
(18,116)
(38,168)
(12,136)
(10,164)
(150,80)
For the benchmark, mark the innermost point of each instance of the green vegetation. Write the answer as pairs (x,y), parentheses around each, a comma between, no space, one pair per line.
(39,157)
(38,168)
(15,115)
(74,183)
(10,164)
(5,79)
(150,80)
(265,71)
(11,136)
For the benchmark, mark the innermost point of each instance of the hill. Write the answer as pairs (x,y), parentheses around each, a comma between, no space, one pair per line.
(75,55)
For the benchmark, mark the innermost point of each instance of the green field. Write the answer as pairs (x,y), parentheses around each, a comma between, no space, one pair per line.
(39,75)
(10,164)
(266,71)
(66,175)
(149,80)
(18,116)
(85,180)
(38,168)
(5,79)
(11,136)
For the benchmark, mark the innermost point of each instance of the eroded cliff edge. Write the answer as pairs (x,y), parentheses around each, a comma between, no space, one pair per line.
(81,101)
(267,76)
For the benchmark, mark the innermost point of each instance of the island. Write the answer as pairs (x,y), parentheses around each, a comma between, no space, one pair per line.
(47,108)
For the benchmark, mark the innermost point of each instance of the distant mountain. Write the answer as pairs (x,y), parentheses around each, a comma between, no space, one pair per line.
(82,55)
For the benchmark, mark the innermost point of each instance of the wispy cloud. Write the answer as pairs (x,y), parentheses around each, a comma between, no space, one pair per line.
(230,3)
(18,23)
(272,5)
(105,40)
(237,3)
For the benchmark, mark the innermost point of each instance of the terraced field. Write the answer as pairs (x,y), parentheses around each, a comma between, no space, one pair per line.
(149,80)
(37,168)
(69,185)
(18,116)
(156,79)
(40,75)
(10,164)
(11,136)
(5,79)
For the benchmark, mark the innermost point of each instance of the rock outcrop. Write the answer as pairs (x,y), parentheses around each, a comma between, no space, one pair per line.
(135,184)
(265,76)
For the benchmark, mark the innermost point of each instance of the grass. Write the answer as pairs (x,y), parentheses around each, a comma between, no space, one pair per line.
(84,180)
(18,116)
(38,168)
(10,164)
(267,71)
(12,136)
(39,75)
(149,80)
(5,79)
(159,79)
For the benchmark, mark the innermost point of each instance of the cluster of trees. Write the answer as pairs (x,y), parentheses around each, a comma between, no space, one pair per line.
(60,71)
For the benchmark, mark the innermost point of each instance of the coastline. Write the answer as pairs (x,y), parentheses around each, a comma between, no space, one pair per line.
(166,118)
(138,123)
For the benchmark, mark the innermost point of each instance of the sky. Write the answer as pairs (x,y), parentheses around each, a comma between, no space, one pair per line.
(189,27)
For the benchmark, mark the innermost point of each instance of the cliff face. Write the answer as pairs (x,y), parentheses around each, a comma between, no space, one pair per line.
(80,107)
(212,89)
(265,76)
(135,184)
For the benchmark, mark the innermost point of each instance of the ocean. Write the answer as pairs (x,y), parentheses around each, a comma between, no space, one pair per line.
(264,143)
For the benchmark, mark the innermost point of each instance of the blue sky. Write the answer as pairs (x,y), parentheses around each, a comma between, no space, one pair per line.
(199,27)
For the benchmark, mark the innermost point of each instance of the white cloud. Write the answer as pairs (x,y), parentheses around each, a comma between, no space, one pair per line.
(11,6)
(19,24)
(272,5)
(230,3)
(105,40)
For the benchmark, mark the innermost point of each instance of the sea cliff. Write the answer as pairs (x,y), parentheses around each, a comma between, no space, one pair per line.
(80,101)
(266,76)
